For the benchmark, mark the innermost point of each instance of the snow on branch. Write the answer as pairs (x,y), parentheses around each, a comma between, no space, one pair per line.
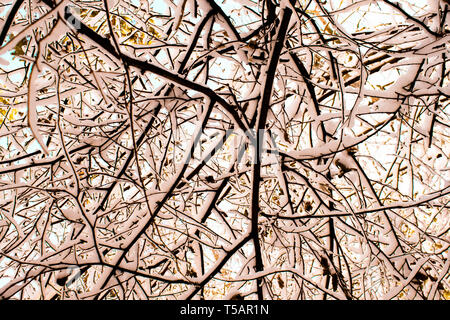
(208,149)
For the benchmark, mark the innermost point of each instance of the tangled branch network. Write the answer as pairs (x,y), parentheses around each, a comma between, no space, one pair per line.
(209,149)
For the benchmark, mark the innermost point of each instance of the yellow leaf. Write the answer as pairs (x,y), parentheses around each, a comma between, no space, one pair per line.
(18,49)
(446,294)
(4,101)
(12,114)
